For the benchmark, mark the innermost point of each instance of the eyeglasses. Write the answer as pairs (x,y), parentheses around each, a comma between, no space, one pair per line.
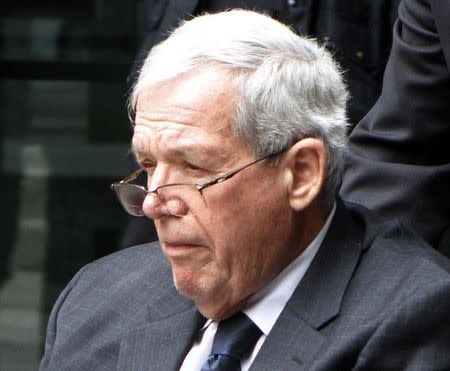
(176,197)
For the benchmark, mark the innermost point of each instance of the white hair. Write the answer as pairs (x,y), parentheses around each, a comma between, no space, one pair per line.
(290,87)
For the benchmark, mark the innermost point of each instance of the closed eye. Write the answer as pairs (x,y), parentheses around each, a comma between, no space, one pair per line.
(193,167)
(148,166)
(182,168)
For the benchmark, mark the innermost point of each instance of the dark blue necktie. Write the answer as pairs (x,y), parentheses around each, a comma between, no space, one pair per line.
(235,337)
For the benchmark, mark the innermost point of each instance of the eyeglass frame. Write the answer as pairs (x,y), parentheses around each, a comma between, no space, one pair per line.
(200,187)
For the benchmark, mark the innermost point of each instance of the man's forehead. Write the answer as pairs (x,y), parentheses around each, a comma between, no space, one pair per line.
(201,88)
(180,118)
(186,141)
(175,137)
(191,112)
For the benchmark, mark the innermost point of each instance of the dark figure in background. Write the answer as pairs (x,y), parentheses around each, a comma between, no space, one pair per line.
(399,159)
(358,32)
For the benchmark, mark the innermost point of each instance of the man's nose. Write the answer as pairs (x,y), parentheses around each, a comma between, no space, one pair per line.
(153,207)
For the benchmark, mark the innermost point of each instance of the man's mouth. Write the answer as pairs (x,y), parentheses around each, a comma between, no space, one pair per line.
(180,248)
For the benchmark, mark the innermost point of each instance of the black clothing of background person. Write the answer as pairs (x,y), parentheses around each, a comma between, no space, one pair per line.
(358,31)
(399,163)
(360,34)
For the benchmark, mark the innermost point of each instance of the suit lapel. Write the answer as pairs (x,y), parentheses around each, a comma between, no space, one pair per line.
(290,345)
(296,339)
(160,345)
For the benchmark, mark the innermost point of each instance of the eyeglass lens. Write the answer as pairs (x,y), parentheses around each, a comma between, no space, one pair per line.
(131,197)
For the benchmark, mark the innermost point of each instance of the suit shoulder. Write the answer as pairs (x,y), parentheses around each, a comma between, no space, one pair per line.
(395,251)
(402,247)
(121,279)
(134,261)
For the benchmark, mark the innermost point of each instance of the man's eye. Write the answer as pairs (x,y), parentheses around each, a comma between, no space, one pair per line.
(148,166)
(193,167)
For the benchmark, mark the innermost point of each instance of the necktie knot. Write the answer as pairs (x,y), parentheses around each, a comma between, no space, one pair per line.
(235,337)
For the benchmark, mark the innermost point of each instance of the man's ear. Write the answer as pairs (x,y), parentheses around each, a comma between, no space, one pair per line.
(307,168)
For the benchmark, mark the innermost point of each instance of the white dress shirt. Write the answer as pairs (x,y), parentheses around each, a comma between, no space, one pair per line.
(263,308)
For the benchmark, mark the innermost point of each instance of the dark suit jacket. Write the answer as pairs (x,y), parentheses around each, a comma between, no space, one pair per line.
(399,160)
(375,297)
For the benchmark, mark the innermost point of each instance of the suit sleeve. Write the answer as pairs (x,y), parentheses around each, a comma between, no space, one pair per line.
(416,336)
(50,353)
(399,156)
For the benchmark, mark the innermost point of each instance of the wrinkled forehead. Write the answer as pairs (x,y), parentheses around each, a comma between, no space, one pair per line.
(191,98)
(197,109)
(173,137)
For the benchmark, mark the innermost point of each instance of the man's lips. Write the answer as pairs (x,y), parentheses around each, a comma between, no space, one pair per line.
(179,244)
(180,248)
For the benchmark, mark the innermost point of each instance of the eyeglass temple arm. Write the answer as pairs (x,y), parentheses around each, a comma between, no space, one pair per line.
(129,178)
(224,177)
(229,175)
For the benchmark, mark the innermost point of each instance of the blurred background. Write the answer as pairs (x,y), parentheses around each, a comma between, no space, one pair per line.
(63,139)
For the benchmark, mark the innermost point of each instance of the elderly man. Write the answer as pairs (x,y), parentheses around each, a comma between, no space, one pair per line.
(241,132)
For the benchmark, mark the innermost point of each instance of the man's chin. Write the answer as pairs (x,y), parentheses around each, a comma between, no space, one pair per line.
(188,282)
(198,289)
(210,297)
